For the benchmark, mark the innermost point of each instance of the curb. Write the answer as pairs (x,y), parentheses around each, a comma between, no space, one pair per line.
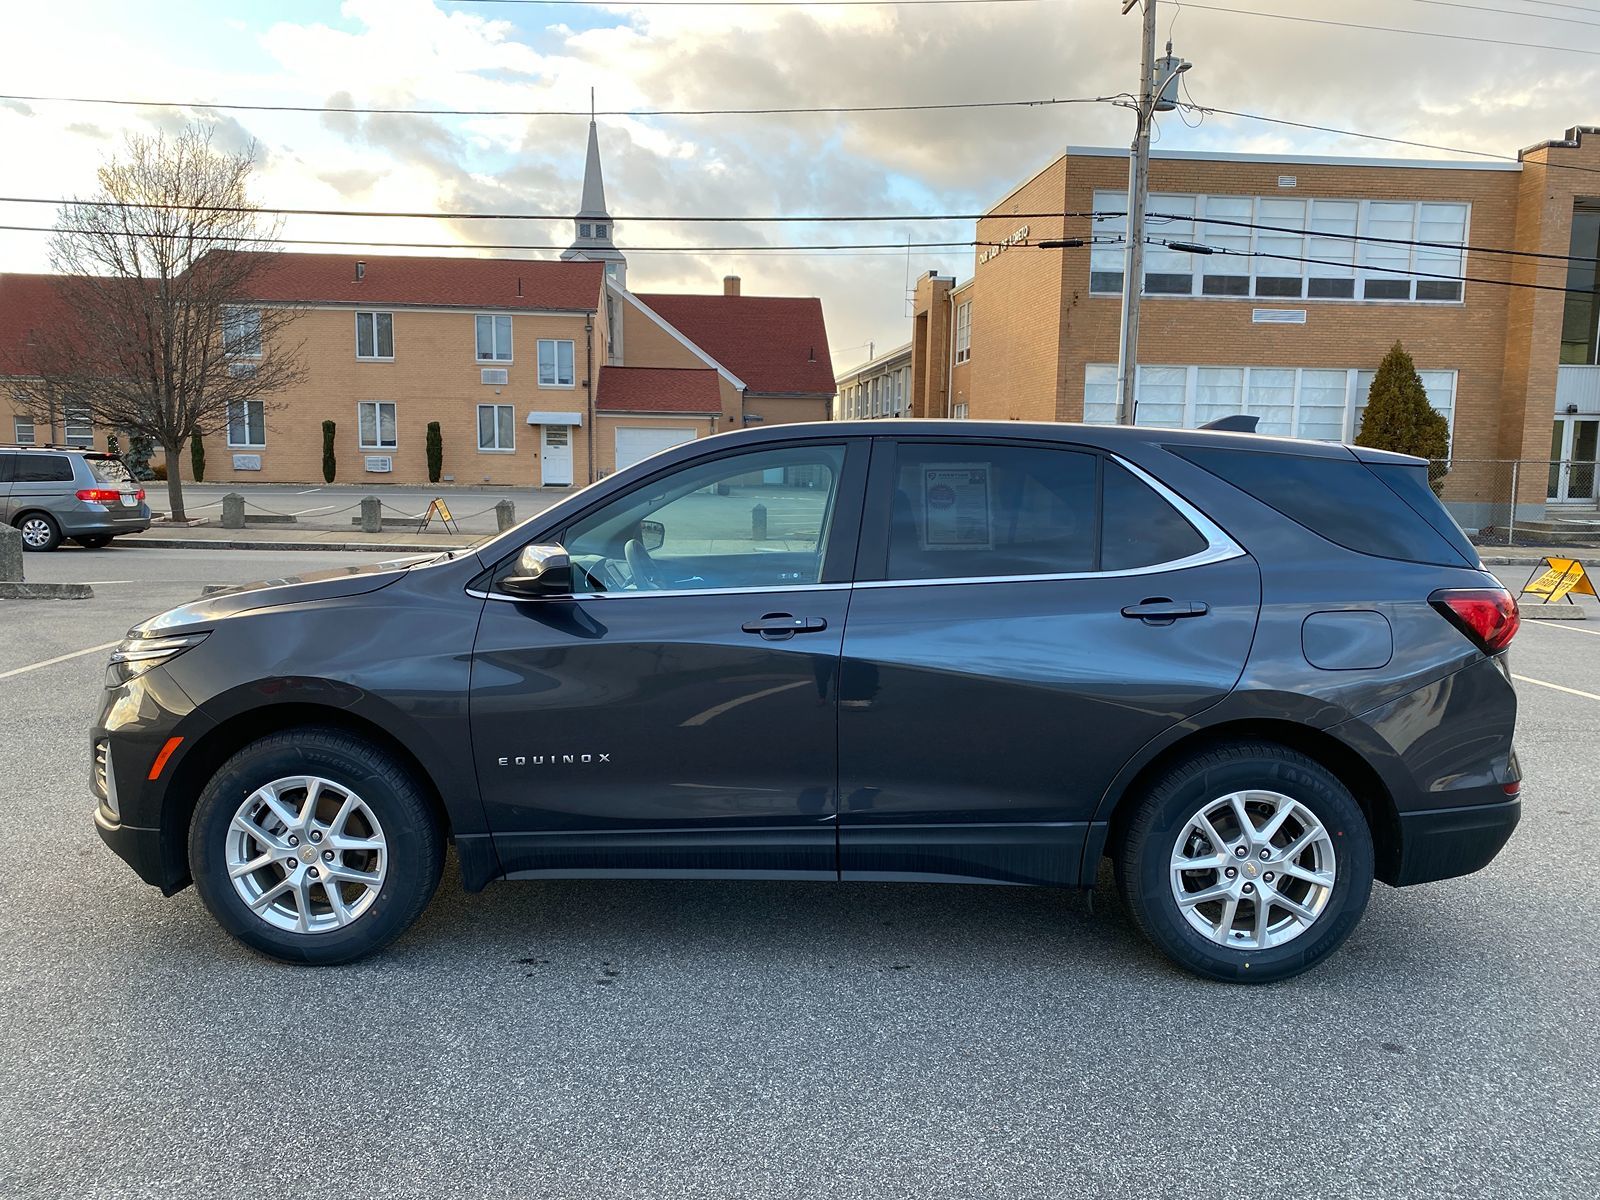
(1552,612)
(240,544)
(46,591)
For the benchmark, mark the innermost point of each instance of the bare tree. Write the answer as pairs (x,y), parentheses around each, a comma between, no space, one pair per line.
(161,274)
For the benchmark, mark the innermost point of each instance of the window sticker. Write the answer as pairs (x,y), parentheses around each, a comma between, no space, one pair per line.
(955,507)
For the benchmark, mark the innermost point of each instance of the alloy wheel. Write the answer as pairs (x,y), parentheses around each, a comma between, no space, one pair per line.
(1253,870)
(306,854)
(36,532)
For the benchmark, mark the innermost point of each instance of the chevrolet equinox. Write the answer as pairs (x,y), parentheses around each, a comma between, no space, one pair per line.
(1255,673)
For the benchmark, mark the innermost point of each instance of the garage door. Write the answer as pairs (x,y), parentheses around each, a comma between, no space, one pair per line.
(634,444)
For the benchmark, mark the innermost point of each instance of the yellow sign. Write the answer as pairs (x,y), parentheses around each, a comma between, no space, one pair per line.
(1560,579)
(437,508)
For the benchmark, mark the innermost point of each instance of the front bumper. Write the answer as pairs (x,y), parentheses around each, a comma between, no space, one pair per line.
(1441,843)
(141,849)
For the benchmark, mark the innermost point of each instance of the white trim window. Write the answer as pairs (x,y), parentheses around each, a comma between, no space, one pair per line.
(1312,403)
(555,363)
(241,332)
(376,422)
(375,336)
(497,427)
(247,424)
(1292,248)
(77,428)
(964,332)
(23,432)
(494,337)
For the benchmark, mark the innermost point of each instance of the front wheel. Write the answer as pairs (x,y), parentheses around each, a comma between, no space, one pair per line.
(314,846)
(1247,863)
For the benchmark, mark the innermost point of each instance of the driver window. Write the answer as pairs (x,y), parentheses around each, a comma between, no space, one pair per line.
(750,520)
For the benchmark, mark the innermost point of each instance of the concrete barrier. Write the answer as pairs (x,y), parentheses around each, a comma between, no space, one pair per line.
(371,515)
(233,511)
(505,515)
(14,587)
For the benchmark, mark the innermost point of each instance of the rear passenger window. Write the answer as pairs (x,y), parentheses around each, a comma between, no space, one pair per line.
(1338,498)
(984,512)
(1141,528)
(43,468)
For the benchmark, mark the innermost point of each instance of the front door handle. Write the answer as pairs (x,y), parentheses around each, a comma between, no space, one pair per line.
(1158,610)
(777,627)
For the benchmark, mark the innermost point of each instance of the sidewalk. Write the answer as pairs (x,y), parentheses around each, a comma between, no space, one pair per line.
(214,537)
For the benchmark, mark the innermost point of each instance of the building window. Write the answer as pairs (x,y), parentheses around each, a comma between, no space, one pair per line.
(1580,317)
(583,229)
(494,338)
(599,231)
(1315,404)
(374,335)
(247,423)
(497,429)
(77,428)
(555,363)
(964,332)
(23,431)
(377,425)
(1276,248)
(241,332)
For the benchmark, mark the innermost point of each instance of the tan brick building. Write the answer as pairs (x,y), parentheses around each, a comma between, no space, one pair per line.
(1321,264)
(539,372)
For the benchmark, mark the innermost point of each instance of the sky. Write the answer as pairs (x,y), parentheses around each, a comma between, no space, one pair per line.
(1453,82)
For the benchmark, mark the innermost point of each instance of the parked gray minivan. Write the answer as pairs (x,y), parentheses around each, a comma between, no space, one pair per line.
(52,493)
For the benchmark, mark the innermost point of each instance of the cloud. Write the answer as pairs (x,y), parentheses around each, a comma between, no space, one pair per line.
(17,106)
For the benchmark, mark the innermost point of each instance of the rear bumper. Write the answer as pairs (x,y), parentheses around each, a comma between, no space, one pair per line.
(1442,843)
(89,520)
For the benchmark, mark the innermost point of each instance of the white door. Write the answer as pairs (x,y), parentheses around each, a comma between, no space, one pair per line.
(555,456)
(635,444)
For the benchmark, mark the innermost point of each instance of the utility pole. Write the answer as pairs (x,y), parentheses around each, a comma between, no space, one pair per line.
(1152,98)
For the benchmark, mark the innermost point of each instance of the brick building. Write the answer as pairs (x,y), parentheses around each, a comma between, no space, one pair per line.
(1321,265)
(539,372)
(879,387)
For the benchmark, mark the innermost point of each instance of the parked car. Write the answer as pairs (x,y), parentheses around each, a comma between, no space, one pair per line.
(51,493)
(1254,673)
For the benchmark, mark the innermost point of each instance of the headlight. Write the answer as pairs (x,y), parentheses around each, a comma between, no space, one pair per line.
(136,655)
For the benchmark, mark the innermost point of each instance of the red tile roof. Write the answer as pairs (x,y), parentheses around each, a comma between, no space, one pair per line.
(659,389)
(27,302)
(515,283)
(775,344)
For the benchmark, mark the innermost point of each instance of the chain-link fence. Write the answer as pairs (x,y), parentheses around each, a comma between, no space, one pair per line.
(1522,502)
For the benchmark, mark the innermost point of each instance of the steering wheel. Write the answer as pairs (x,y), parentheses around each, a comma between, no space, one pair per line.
(646,573)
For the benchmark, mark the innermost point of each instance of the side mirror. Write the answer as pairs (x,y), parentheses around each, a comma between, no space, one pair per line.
(539,571)
(652,535)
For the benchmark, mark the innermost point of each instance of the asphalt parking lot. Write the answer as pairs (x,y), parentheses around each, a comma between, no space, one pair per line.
(604,1039)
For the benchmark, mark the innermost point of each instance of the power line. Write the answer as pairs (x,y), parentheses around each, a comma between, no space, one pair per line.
(1427,33)
(1507,12)
(1378,137)
(1043,102)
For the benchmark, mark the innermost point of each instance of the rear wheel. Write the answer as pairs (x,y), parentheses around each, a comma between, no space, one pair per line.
(39,531)
(94,541)
(314,846)
(1250,863)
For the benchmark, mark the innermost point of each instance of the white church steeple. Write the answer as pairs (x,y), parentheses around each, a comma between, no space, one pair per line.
(592,227)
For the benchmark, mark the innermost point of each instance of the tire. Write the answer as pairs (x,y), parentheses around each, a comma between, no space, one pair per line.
(39,530)
(94,541)
(383,883)
(1233,946)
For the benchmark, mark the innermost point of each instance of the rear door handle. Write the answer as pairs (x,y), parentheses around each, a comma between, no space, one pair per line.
(777,627)
(1161,611)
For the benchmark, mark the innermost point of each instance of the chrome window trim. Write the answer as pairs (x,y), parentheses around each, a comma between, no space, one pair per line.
(1219,548)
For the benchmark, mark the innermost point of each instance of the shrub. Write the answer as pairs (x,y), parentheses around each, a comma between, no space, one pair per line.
(140,448)
(1398,415)
(197,458)
(435,452)
(113,447)
(159,471)
(330,463)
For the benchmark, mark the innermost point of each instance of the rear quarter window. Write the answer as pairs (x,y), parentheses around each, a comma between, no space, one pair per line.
(1340,499)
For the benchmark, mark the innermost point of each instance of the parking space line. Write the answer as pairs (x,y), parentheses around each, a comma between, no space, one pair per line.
(1541,682)
(305,511)
(60,658)
(1566,625)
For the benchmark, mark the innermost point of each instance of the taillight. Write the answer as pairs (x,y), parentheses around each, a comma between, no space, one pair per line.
(1488,616)
(99,495)
(139,495)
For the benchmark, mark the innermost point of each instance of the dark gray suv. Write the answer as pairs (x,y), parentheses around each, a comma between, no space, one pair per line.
(53,493)
(1256,674)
